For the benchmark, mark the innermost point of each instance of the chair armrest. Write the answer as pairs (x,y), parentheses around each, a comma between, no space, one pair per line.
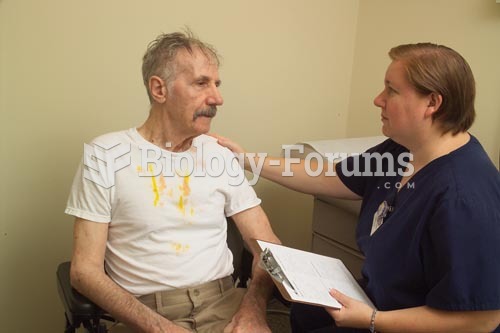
(74,303)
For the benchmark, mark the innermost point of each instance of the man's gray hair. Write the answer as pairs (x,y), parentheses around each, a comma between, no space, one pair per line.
(160,55)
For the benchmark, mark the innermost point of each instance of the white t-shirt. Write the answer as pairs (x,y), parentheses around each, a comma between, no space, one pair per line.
(166,211)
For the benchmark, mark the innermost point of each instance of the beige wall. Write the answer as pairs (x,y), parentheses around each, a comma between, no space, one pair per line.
(70,70)
(470,27)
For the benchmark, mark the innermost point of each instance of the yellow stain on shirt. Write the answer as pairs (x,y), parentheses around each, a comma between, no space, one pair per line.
(185,192)
(186,188)
(163,184)
(180,205)
(179,248)
(155,188)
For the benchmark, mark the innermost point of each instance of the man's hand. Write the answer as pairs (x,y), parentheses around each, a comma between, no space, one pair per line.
(251,317)
(352,314)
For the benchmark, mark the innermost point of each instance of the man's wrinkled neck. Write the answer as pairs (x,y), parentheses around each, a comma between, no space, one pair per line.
(159,130)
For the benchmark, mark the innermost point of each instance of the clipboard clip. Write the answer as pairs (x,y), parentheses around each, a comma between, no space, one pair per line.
(269,263)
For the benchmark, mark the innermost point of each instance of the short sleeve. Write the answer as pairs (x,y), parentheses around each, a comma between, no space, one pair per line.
(89,200)
(360,172)
(239,194)
(345,170)
(462,261)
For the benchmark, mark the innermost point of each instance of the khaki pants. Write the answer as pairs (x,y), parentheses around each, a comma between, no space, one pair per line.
(205,308)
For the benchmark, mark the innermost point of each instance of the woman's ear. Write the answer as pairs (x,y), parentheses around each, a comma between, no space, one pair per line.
(158,89)
(435,101)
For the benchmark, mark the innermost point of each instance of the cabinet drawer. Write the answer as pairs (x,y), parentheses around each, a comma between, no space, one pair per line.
(352,259)
(335,223)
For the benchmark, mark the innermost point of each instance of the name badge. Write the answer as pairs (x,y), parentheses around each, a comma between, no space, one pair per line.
(380,214)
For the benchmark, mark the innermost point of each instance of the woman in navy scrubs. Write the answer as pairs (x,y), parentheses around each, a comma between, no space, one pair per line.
(429,227)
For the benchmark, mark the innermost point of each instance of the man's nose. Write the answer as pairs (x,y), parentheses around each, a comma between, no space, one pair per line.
(215,97)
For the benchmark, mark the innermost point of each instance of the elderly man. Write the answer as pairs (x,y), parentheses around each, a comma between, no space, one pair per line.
(150,243)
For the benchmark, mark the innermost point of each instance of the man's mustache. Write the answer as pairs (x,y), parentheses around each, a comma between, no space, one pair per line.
(209,112)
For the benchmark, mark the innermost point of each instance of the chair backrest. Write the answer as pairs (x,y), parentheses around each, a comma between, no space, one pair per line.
(242,258)
(78,309)
(235,243)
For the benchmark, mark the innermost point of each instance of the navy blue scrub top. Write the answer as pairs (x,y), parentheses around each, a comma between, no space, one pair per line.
(440,246)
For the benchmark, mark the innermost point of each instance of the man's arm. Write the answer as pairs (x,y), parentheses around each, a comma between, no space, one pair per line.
(88,277)
(251,316)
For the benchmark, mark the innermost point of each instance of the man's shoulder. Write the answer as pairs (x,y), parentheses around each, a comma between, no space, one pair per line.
(112,139)
(203,139)
(209,142)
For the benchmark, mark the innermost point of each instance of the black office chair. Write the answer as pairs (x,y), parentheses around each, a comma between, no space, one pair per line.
(80,311)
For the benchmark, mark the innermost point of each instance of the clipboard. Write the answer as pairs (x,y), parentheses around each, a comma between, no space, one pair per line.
(306,277)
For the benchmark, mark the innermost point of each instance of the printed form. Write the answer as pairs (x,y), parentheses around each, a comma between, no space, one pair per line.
(310,276)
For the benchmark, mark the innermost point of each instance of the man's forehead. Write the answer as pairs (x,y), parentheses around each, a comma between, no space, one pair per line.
(195,61)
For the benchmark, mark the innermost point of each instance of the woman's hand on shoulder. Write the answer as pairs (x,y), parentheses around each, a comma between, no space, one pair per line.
(228,143)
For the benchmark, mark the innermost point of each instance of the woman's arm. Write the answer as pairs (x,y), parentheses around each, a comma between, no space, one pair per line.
(291,174)
(412,320)
(426,319)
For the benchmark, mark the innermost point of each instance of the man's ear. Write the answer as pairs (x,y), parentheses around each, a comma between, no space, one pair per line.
(435,101)
(158,89)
